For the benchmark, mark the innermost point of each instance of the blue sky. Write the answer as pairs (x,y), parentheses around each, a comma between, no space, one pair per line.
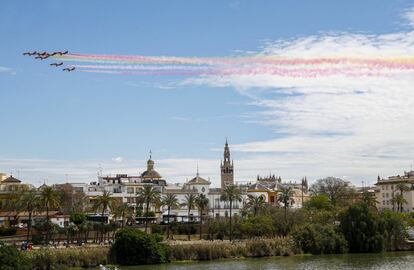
(50,116)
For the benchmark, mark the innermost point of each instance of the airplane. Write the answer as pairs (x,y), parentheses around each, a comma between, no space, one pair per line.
(43,53)
(57,64)
(69,69)
(30,53)
(59,53)
(41,57)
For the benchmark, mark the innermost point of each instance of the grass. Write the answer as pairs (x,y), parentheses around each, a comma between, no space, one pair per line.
(47,258)
(211,250)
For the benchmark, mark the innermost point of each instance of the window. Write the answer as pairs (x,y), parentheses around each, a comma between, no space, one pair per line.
(130,190)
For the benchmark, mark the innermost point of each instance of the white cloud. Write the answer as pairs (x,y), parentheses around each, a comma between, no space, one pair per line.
(7,70)
(357,125)
(118,159)
(409,15)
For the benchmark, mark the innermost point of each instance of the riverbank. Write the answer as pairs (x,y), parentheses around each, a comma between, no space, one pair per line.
(87,257)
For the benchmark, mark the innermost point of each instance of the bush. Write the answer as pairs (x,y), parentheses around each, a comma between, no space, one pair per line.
(319,239)
(135,247)
(12,259)
(7,231)
(257,226)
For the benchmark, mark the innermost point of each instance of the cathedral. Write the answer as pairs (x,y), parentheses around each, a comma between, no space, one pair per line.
(227,170)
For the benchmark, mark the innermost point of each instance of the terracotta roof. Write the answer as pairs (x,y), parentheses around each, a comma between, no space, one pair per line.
(198,181)
(11,179)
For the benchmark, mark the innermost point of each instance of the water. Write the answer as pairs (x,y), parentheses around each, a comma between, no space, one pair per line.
(388,261)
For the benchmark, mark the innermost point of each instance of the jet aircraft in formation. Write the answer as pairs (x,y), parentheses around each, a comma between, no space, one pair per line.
(45,55)
(69,69)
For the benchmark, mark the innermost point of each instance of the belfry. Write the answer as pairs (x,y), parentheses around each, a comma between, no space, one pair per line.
(227,171)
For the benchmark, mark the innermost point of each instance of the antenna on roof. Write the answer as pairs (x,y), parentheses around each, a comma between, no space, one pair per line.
(197,170)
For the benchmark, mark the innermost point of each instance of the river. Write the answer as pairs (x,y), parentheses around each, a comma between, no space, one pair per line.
(389,261)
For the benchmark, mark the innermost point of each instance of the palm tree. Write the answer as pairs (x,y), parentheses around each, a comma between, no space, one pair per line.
(231,194)
(190,202)
(400,201)
(123,211)
(170,201)
(402,187)
(285,197)
(49,199)
(369,200)
(255,203)
(29,201)
(103,202)
(202,205)
(148,195)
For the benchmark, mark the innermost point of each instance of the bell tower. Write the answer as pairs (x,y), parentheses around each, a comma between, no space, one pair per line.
(227,176)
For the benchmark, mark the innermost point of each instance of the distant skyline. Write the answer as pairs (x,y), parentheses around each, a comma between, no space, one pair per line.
(65,126)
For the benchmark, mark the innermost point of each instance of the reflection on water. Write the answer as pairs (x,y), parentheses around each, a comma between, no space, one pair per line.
(389,261)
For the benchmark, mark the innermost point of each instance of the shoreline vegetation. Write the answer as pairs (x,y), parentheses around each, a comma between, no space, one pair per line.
(334,220)
(178,252)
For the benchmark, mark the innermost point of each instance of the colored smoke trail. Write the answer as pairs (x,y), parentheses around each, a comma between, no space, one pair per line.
(260,64)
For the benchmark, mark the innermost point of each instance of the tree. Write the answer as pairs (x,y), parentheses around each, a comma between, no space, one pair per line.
(148,195)
(202,205)
(402,187)
(318,202)
(363,229)
(103,203)
(190,203)
(231,194)
(337,190)
(170,201)
(400,201)
(369,200)
(29,201)
(78,218)
(285,197)
(48,199)
(123,211)
(255,203)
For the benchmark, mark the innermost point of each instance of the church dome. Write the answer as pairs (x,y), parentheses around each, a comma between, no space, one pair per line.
(150,173)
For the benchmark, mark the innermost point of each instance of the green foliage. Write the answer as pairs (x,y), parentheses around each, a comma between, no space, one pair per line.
(134,247)
(11,258)
(77,218)
(363,229)
(258,226)
(319,239)
(395,232)
(319,202)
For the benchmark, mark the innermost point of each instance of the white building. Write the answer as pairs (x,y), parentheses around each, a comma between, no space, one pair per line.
(388,188)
